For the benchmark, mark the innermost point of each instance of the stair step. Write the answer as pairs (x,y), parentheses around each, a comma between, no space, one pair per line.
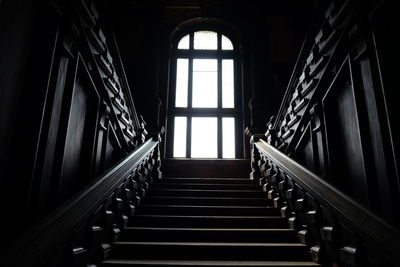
(172,200)
(207,210)
(208,180)
(209,251)
(209,221)
(209,234)
(205,193)
(181,263)
(214,186)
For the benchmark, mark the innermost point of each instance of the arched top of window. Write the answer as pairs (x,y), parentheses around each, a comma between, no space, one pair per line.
(226,43)
(205,40)
(184,42)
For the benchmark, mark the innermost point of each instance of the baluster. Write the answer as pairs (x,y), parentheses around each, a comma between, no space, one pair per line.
(94,241)
(313,220)
(155,171)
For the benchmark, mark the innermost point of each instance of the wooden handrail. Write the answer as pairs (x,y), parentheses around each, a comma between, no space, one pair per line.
(35,246)
(377,234)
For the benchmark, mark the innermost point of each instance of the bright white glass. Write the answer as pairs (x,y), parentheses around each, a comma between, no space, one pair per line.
(204,137)
(228,137)
(228,100)
(181,82)
(226,44)
(206,40)
(180,137)
(205,83)
(184,42)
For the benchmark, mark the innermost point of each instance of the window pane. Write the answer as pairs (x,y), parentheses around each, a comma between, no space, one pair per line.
(205,40)
(180,137)
(204,137)
(228,100)
(184,42)
(205,83)
(228,137)
(181,82)
(226,44)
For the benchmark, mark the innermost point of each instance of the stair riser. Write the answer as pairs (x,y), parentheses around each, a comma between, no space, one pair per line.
(202,265)
(204,193)
(208,236)
(209,222)
(205,186)
(207,180)
(209,211)
(193,252)
(207,201)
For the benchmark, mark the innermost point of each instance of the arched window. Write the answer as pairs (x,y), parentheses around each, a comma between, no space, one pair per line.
(205,102)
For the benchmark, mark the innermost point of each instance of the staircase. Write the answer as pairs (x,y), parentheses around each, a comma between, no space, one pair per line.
(207,222)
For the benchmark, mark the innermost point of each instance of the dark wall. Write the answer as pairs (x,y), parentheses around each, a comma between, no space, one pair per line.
(25,54)
(270,38)
(66,110)
(339,115)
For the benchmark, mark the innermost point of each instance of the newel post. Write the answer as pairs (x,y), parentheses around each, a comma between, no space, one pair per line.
(156,157)
(255,157)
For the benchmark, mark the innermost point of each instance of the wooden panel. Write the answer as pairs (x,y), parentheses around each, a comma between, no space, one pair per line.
(65,66)
(346,162)
(206,168)
(81,134)
(304,150)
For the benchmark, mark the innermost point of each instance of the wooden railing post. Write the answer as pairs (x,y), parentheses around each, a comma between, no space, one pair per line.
(255,156)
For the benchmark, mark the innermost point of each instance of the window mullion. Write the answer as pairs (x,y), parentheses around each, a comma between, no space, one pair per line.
(190,83)
(190,93)
(219,88)
(189,136)
(219,140)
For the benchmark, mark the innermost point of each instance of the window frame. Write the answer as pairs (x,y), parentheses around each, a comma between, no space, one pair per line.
(219,112)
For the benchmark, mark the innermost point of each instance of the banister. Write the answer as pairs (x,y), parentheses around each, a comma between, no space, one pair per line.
(380,237)
(35,246)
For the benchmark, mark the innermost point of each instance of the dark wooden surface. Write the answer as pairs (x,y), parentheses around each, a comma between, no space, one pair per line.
(66,231)
(337,115)
(206,167)
(335,226)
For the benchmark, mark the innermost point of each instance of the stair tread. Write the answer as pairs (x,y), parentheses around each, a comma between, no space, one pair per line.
(227,198)
(214,244)
(214,263)
(204,206)
(205,183)
(208,216)
(202,190)
(209,178)
(202,222)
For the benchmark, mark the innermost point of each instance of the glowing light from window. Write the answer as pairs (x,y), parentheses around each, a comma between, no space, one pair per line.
(204,137)
(205,83)
(206,40)
(184,42)
(228,100)
(180,137)
(182,71)
(226,44)
(228,137)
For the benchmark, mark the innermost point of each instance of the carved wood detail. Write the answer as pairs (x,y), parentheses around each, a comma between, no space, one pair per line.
(337,230)
(80,233)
